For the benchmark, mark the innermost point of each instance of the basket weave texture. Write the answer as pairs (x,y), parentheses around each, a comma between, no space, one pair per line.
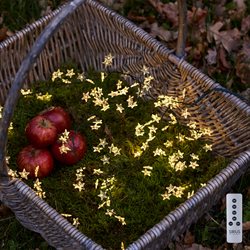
(85,32)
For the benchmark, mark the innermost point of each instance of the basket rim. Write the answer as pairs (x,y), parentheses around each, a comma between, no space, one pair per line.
(180,63)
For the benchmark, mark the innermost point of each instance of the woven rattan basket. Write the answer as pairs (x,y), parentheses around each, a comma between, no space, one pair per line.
(84,32)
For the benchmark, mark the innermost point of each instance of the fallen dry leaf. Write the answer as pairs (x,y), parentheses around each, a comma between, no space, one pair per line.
(197,16)
(246,226)
(136,18)
(223,58)
(241,6)
(243,63)
(163,34)
(211,56)
(189,238)
(46,11)
(197,52)
(3,33)
(220,9)
(9,33)
(230,39)
(245,25)
(168,10)
(197,247)
(246,94)
(213,32)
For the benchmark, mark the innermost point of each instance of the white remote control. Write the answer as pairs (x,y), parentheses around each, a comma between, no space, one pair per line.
(234,218)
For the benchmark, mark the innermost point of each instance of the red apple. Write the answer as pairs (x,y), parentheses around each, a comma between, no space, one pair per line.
(59,117)
(71,150)
(29,158)
(40,132)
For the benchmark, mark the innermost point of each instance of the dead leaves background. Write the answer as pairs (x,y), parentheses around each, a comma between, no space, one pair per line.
(218,39)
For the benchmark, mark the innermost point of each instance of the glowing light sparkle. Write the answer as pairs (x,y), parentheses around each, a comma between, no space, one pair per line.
(108,60)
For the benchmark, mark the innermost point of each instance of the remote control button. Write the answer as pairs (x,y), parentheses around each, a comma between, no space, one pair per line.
(237,223)
(234,218)
(234,200)
(234,206)
(230,223)
(234,212)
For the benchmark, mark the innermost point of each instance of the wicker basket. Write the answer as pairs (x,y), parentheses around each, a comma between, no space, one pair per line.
(84,32)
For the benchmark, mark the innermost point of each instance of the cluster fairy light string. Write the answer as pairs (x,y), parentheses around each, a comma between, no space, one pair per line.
(175,160)
(149,128)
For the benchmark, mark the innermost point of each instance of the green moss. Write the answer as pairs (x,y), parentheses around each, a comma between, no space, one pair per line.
(135,197)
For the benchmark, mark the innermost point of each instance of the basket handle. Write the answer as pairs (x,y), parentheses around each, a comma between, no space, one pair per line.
(182,28)
(14,91)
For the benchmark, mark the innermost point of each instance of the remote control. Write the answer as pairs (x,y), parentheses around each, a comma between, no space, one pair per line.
(234,218)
